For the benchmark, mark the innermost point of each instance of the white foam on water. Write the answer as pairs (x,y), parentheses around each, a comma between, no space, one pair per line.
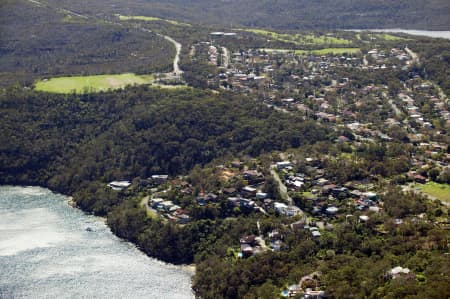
(28,229)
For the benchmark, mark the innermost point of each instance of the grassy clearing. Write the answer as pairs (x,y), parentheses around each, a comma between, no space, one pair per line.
(440,191)
(388,37)
(335,51)
(138,18)
(85,84)
(150,19)
(302,39)
(73,19)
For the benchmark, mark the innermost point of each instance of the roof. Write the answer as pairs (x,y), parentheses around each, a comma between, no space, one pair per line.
(399,270)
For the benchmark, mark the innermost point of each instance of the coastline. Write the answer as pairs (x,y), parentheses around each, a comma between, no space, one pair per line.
(188,268)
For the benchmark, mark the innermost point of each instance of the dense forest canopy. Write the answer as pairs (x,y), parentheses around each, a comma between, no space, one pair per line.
(64,140)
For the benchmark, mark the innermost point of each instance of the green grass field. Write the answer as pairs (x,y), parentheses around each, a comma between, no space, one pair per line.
(440,191)
(335,51)
(388,37)
(150,19)
(301,39)
(138,18)
(85,84)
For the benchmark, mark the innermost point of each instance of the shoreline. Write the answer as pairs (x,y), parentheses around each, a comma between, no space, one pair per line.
(188,268)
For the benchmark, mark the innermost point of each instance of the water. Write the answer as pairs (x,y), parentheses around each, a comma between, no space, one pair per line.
(428,33)
(46,252)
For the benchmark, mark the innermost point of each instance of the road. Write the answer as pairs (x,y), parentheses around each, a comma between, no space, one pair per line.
(284,192)
(414,56)
(281,186)
(226,57)
(397,111)
(176,61)
(365,62)
(144,203)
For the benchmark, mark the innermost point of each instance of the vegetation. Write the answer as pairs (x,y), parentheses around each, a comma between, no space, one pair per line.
(302,39)
(96,136)
(286,14)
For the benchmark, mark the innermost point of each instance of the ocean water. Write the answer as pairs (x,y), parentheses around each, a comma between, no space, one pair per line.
(46,252)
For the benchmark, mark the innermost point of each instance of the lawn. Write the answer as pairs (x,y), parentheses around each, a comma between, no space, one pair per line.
(440,191)
(388,37)
(335,51)
(302,39)
(150,19)
(85,84)
(138,18)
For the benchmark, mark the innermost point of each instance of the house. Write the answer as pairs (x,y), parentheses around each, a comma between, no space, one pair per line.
(370,195)
(235,201)
(280,207)
(398,272)
(294,290)
(155,202)
(248,190)
(283,165)
(246,250)
(229,191)
(253,176)
(340,192)
(159,178)
(261,195)
(247,244)
(326,190)
(276,245)
(310,294)
(331,210)
(298,224)
(166,205)
(183,219)
(316,234)
(420,179)
(322,182)
(119,185)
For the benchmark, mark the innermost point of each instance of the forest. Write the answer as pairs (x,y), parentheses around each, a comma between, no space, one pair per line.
(64,140)
(285,14)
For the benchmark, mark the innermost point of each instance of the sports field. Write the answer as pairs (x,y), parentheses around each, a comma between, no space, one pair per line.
(96,83)
(440,191)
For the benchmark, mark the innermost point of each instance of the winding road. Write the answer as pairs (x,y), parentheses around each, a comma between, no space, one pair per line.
(176,61)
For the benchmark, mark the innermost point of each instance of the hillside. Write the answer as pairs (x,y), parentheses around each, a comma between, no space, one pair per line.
(38,41)
(286,14)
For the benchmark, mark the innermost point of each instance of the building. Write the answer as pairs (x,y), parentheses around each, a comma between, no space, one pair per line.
(119,185)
